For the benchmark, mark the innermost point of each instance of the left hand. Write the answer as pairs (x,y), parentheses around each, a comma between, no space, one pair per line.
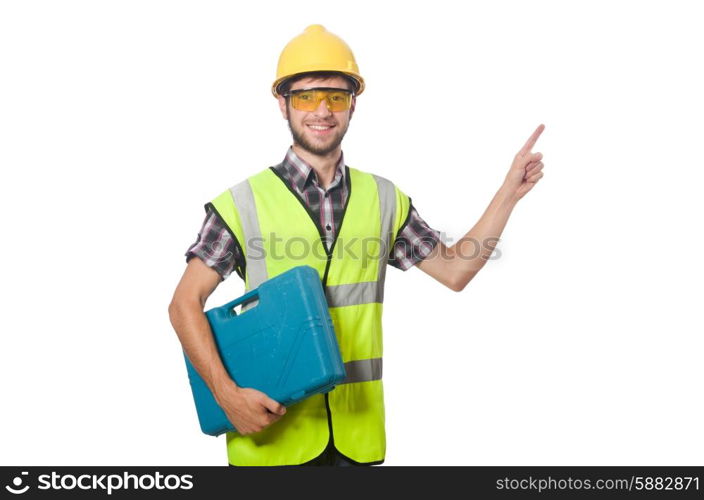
(526,169)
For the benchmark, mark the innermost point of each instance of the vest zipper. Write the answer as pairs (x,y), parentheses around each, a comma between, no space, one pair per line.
(331,438)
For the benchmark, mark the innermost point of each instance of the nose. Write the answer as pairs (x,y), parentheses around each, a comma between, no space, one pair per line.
(323,109)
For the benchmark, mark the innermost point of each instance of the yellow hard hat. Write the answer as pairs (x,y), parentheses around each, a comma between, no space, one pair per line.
(316,49)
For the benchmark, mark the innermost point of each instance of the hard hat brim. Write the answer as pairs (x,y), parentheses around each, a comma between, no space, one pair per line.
(354,76)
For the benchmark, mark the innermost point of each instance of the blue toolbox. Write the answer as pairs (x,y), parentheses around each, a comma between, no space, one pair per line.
(283,346)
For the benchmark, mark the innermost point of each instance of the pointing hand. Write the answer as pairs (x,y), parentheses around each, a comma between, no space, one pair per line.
(526,169)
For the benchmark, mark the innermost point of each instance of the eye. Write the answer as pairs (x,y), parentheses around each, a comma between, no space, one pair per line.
(305,96)
(339,97)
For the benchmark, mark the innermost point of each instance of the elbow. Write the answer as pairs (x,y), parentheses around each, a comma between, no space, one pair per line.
(176,309)
(183,307)
(456,285)
(173,310)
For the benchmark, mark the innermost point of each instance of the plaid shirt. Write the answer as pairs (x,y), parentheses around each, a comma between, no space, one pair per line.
(216,247)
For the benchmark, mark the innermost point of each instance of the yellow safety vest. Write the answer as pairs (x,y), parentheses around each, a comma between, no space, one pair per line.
(277,232)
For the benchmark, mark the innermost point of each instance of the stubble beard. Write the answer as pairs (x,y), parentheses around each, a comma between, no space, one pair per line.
(320,150)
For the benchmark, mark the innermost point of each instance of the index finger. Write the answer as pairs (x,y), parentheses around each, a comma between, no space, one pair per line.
(273,406)
(532,140)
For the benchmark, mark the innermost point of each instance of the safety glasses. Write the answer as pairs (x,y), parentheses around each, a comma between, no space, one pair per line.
(310,99)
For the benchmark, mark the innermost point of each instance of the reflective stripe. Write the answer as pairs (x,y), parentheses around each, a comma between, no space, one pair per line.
(367,292)
(353,294)
(387,207)
(362,370)
(244,201)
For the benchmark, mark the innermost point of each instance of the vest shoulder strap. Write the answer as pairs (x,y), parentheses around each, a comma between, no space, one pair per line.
(400,202)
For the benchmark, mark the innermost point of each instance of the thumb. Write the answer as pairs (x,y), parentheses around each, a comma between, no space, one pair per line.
(273,406)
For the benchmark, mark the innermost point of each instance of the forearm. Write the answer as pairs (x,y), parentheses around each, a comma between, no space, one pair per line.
(473,250)
(455,266)
(193,330)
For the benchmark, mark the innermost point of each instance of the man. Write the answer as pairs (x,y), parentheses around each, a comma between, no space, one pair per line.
(313,197)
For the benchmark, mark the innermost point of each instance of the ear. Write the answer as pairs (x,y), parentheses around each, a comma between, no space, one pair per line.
(282,107)
(354,102)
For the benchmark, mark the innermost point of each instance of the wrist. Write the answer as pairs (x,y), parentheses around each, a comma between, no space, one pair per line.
(506,196)
(225,387)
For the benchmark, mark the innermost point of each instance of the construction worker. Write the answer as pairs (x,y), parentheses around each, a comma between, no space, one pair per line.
(313,197)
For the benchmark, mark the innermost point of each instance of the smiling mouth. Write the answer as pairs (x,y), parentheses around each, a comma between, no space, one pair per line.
(320,129)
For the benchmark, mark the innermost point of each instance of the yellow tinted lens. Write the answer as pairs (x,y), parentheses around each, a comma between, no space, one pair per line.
(306,101)
(338,101)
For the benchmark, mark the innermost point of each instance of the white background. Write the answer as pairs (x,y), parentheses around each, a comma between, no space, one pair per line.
(581,345)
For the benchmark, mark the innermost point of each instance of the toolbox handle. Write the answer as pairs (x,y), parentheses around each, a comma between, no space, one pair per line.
(247,297)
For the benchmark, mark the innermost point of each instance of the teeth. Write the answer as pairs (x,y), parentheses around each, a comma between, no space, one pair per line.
(318,127)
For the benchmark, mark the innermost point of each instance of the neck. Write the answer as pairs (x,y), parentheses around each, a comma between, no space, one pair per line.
(324,165)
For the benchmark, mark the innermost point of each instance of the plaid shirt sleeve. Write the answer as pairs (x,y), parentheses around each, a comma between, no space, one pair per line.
(217,248)
(413,243)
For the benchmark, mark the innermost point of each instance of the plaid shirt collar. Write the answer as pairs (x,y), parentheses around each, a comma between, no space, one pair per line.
(299,173)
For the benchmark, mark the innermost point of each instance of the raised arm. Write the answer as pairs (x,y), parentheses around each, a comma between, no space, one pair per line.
(455,266)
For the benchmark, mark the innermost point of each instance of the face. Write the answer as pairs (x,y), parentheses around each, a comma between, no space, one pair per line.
(319,132)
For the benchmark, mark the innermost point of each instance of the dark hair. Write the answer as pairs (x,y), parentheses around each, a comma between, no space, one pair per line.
(285,86)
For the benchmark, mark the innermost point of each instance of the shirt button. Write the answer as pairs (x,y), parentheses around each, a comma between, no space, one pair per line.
(328,227)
